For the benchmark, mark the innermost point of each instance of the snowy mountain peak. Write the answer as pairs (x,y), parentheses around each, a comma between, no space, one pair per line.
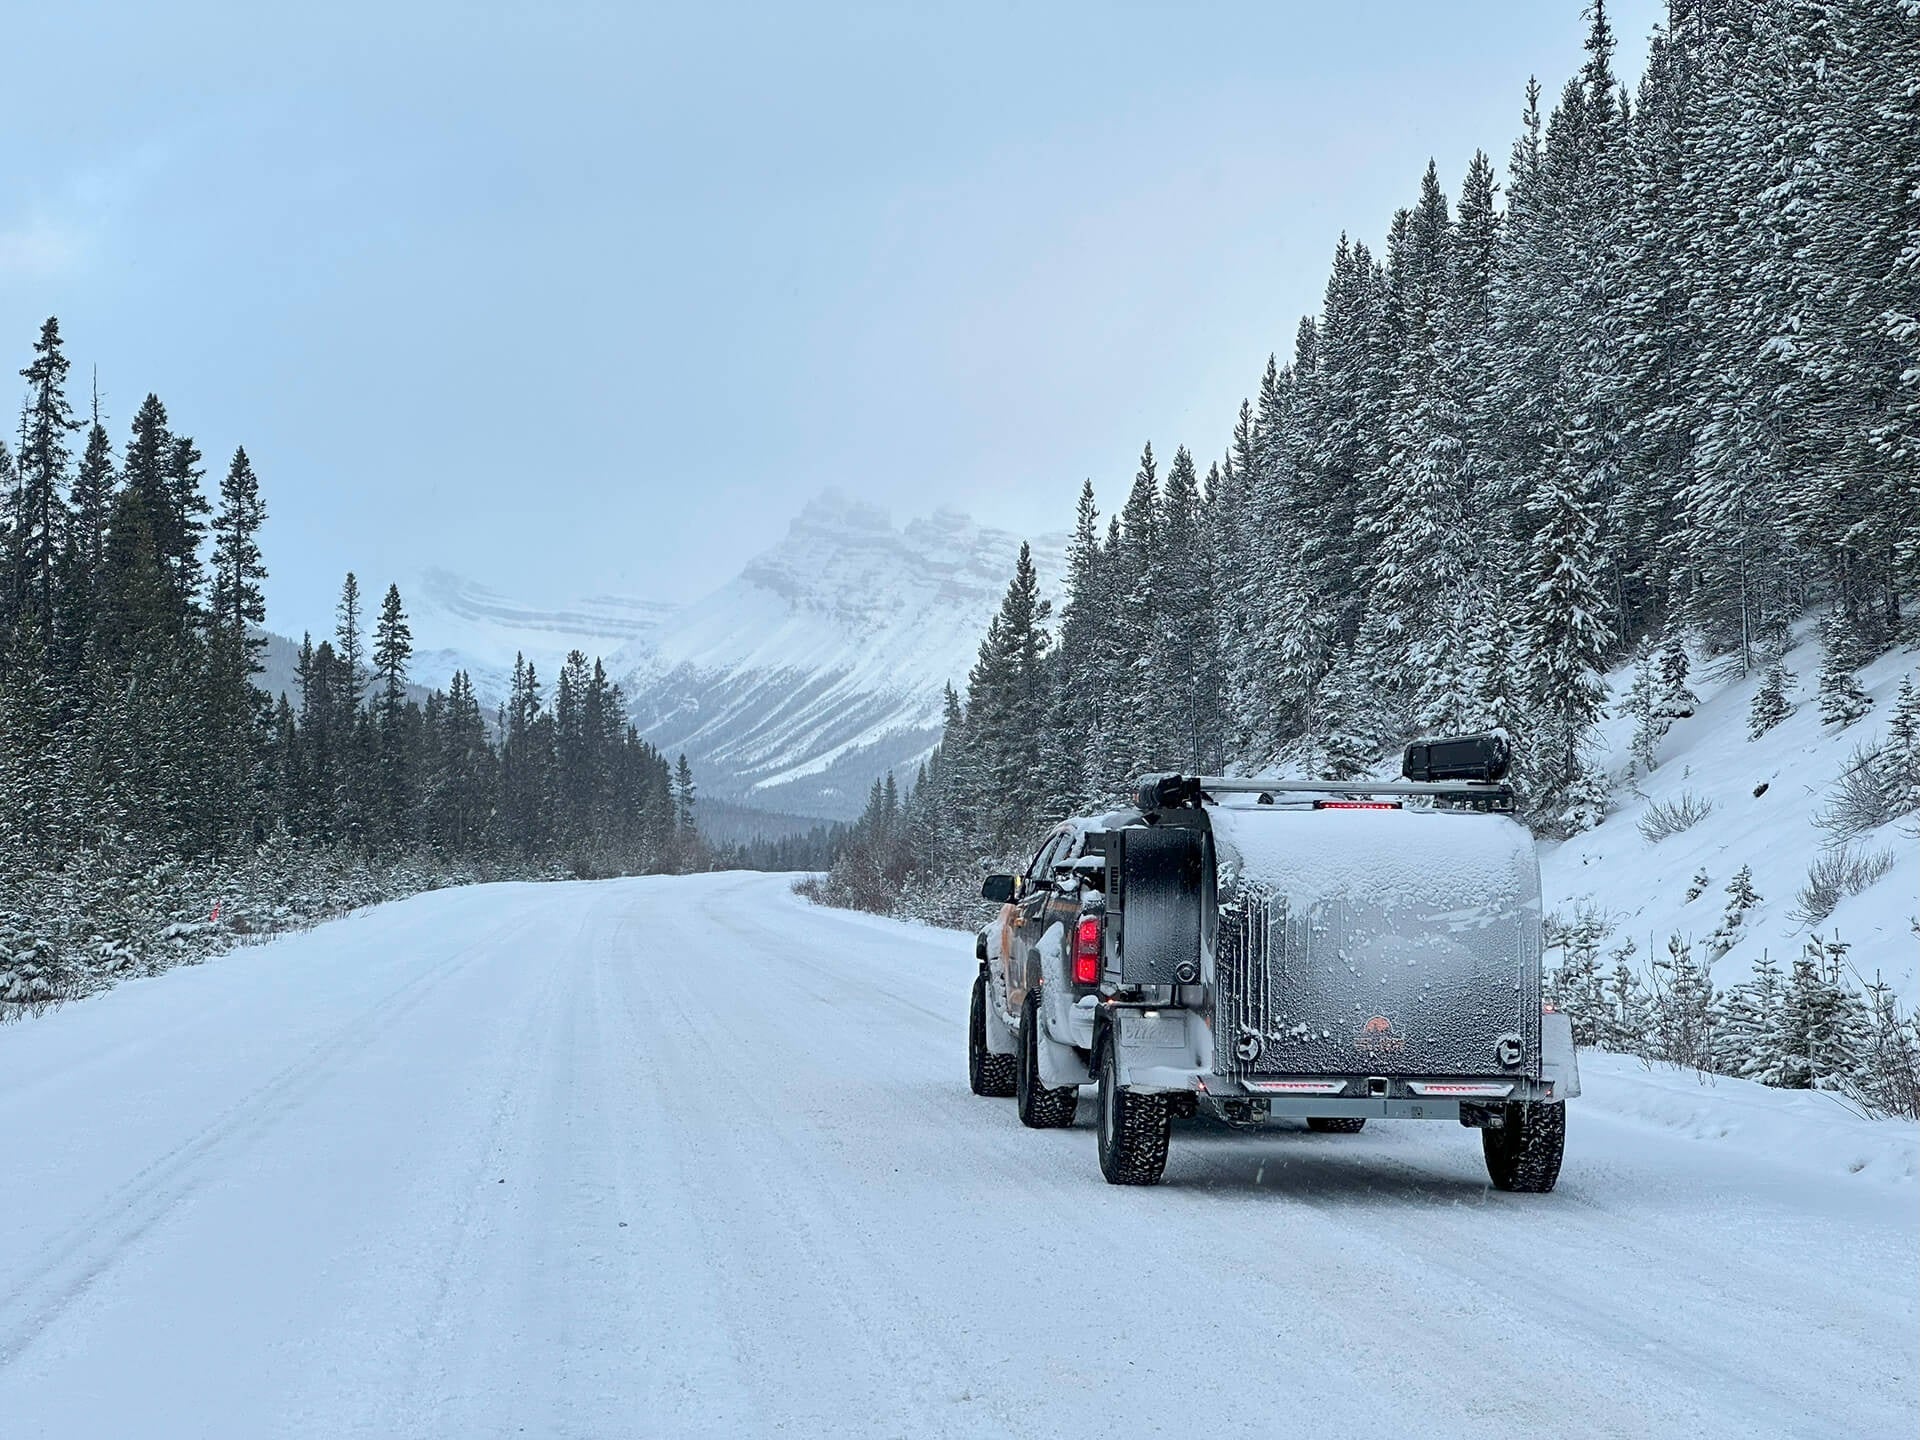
(821,665)
(923,590)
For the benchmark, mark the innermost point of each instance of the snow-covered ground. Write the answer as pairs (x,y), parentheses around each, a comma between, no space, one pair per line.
(1642,887)
(686,1157)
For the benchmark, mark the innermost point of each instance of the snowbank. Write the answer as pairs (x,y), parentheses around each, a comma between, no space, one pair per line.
(1802,1129)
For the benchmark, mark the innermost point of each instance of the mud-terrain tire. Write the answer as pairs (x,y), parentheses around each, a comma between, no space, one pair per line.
(987,1073)
(1336,1124)
(1524,1154)
(1039,1107)
(1133,1129)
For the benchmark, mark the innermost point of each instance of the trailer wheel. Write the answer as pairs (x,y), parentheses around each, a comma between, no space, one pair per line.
(1337,1124)
(1134,1129)
(1524,1154)
(987,1073)
(1039,1107)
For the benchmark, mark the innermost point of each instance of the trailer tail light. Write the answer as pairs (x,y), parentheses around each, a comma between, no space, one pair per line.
(1295,1087)
(1086,951)
(1356,804)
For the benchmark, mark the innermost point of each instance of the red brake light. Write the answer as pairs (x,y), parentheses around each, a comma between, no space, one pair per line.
(1086,952)
(1356,805)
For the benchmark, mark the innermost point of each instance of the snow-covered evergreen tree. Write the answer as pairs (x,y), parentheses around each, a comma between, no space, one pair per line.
(1640,704)
(1770,702)
(238,600)
(1820,1031)
(1748,1021)
(1566,643)
(1900,757)
(1842,701)
(1741,899)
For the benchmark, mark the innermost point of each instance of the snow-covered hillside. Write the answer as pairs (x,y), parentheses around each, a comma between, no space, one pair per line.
(1767,797)
(792,686)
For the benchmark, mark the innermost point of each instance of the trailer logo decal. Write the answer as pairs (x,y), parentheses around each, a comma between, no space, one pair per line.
(1377,1038)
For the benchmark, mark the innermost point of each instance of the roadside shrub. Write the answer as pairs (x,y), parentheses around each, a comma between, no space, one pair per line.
(1834,875)
(1670,817)
(1865,797)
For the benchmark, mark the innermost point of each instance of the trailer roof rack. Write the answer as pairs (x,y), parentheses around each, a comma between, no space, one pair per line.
(1173,792)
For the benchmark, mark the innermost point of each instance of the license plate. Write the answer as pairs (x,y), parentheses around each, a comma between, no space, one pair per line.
(1162,1031)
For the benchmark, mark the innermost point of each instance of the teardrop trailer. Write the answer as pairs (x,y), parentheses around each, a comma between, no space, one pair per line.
(1335,952)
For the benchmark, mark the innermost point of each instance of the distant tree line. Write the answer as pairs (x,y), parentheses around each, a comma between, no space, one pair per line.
(815,848)
(154,801)
(1664,401)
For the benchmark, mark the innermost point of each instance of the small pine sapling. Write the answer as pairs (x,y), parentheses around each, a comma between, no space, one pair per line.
(1699,886)
(1770,703)
(1842,701)
(1641,704)
(1741,897)
(1890,1080)
(1674,701)
(1820,1034)
(1683,1008)
(1748,1014)
(1577,983)
(1899,758)
(1626,1026)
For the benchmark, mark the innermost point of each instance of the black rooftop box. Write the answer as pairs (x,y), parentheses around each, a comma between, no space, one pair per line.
(1458,757)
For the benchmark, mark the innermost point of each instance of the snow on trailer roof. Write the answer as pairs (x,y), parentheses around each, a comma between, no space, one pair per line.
(1443,855)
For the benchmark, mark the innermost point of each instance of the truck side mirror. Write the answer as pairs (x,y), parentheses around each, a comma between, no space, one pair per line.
(998,889)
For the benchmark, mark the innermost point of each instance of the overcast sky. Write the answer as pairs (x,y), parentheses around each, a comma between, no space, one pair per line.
(591,297)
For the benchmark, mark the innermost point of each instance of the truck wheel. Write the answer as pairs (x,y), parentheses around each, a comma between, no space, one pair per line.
(987,1073)
(1336,1124)
(1134,1129)
(1039,1107)
(1524,1154)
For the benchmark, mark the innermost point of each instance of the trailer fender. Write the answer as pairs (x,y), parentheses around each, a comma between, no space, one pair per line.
(1559,1062)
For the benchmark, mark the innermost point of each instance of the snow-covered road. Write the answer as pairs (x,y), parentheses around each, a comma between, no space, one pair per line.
(685,1157)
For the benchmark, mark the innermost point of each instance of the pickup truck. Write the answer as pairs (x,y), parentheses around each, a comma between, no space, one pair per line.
(1333,952)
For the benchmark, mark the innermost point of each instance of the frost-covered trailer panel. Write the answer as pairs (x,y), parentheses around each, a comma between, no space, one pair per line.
(1374,942)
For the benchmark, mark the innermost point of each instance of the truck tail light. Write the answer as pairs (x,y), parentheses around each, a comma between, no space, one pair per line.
(1086,952)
